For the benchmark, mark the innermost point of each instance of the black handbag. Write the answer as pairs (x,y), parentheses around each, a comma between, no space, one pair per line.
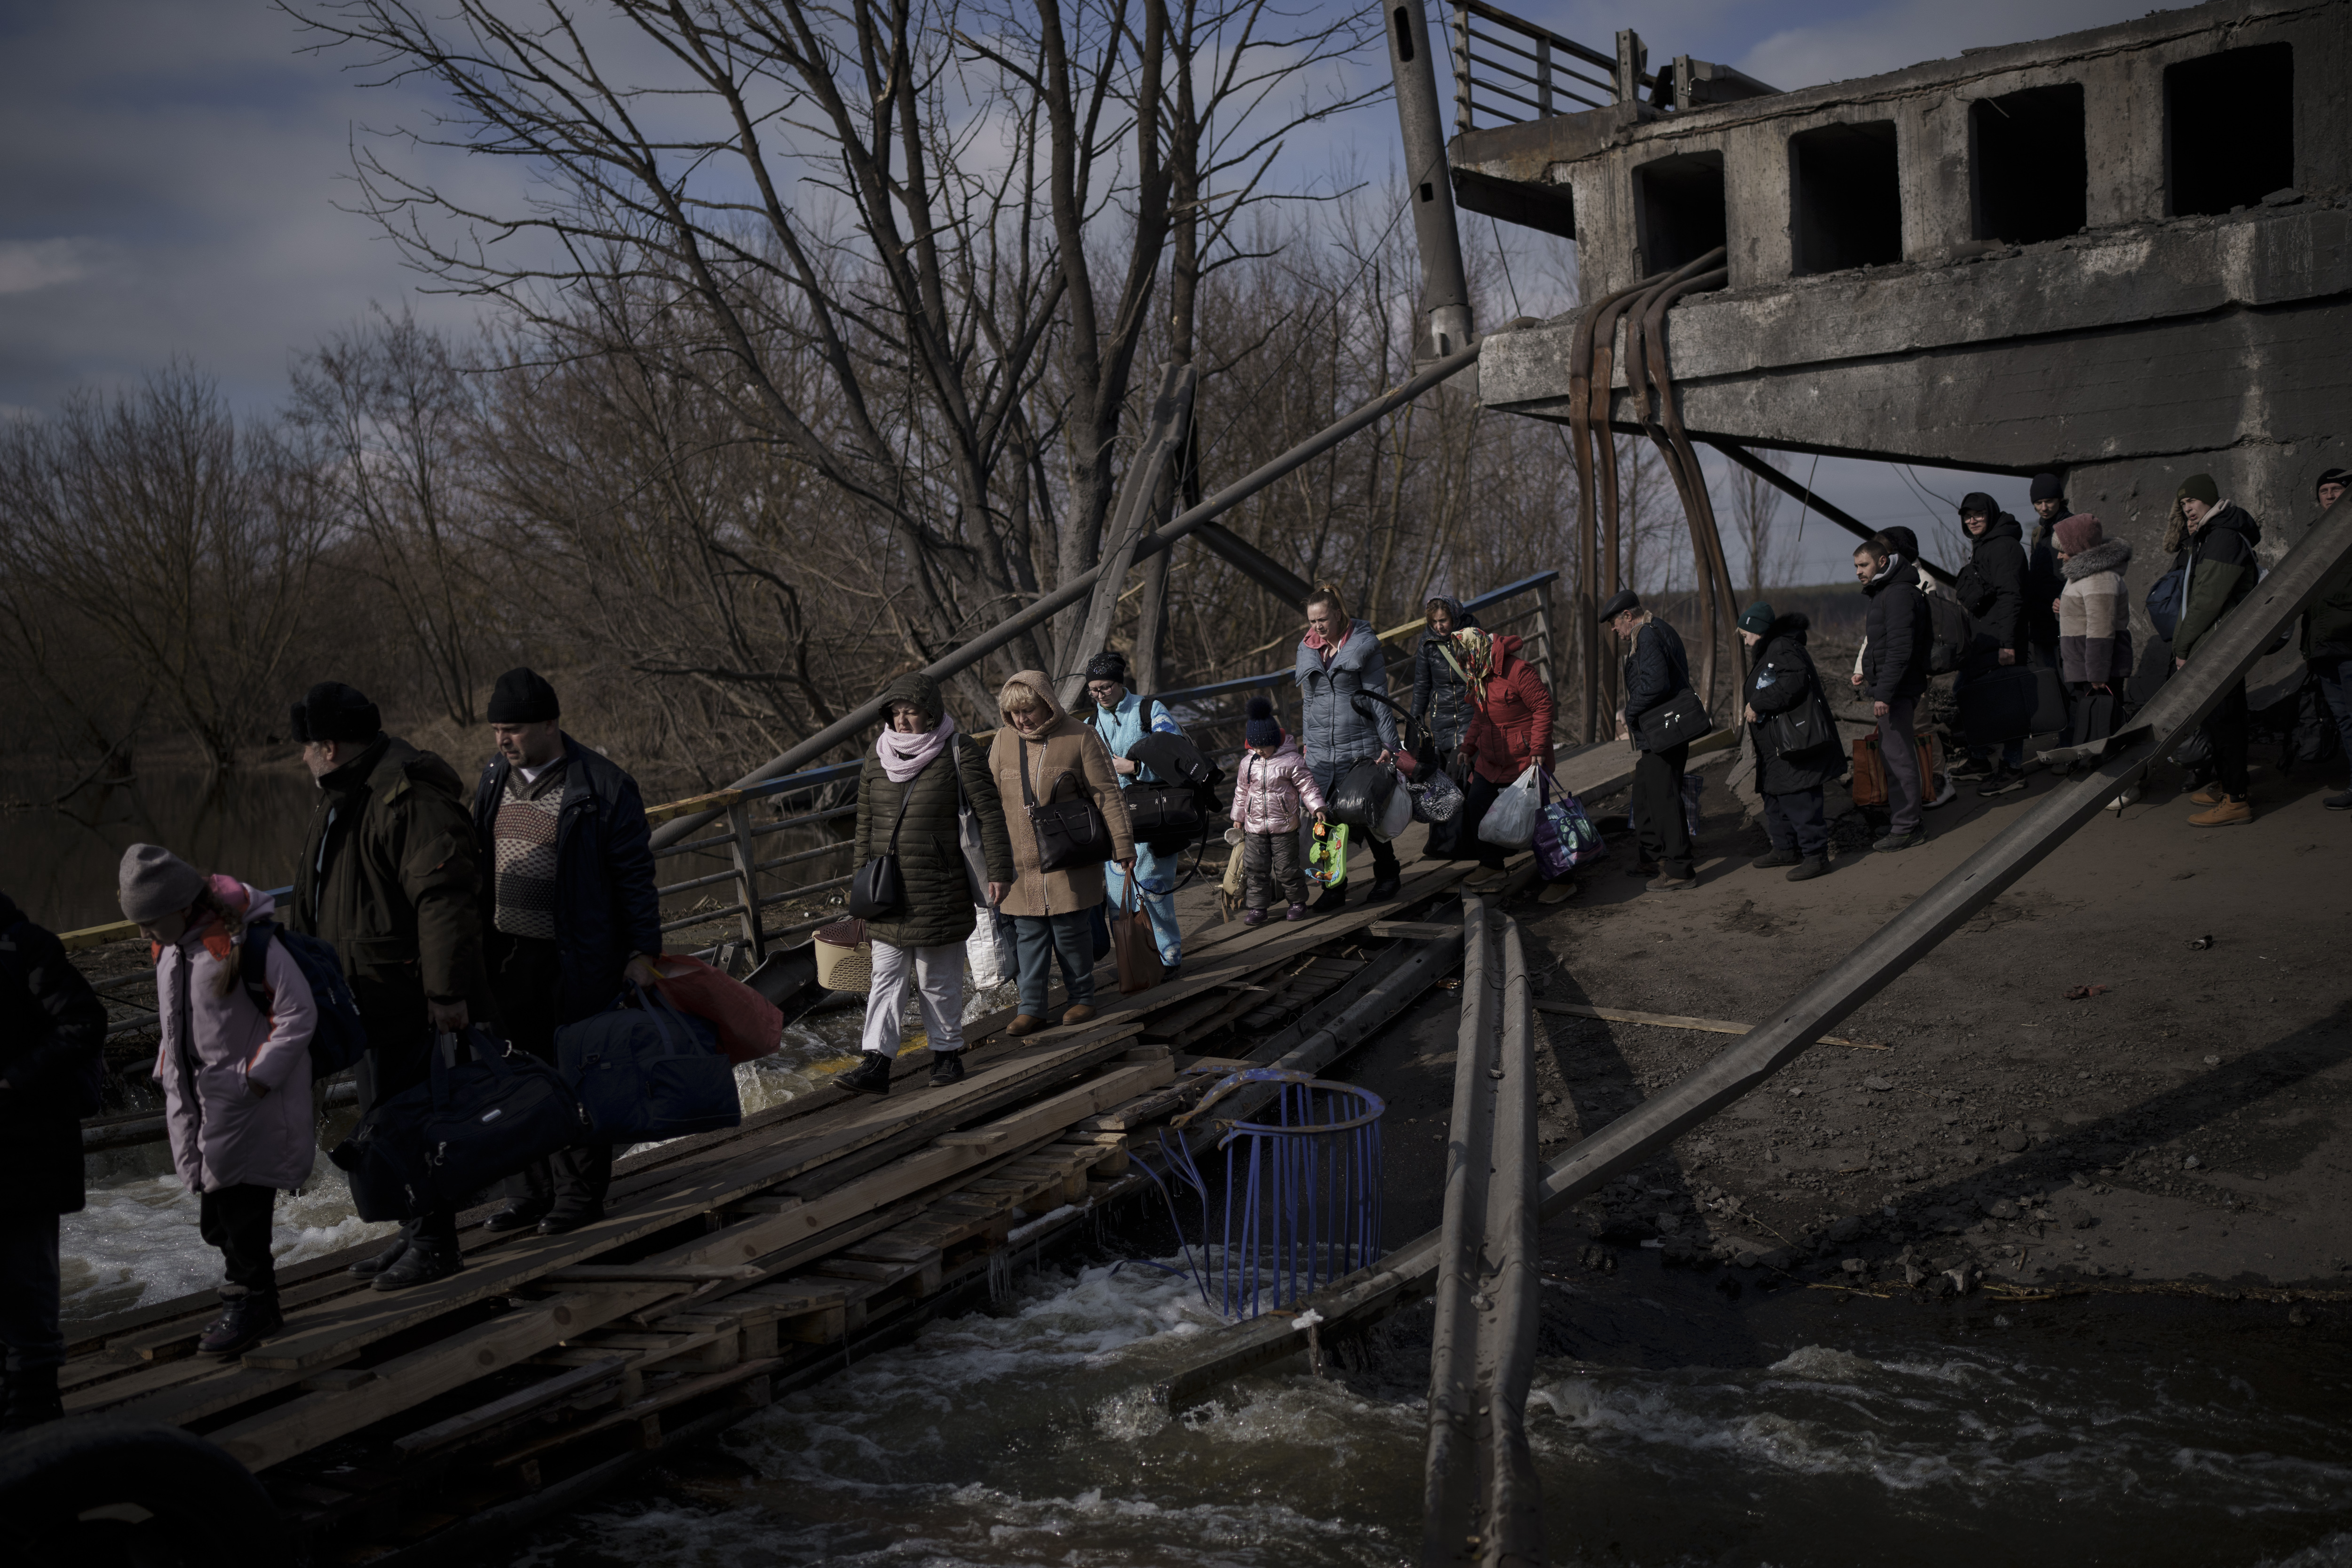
(1069,832)
(1678,721)
(880,889)
(1802,728)
(1165,816)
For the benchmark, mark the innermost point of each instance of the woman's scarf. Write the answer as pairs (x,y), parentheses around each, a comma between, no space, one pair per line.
(1476,663)
(903,756)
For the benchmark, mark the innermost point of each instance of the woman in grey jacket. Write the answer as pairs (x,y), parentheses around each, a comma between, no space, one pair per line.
(1338,658)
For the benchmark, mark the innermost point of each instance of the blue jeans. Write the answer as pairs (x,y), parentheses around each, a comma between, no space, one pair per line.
(1155,880)
(1040,939)
(29,1291)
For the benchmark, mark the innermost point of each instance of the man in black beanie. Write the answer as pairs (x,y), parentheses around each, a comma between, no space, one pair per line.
(388,877)
(569,909)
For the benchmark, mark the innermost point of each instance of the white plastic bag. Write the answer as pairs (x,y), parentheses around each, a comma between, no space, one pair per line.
(1510,821)
(988,955)
(1397,816)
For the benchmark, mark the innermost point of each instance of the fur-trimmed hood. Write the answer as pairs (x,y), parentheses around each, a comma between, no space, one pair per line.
(2107,555)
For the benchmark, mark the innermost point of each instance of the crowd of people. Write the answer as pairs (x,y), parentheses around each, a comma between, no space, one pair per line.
(532,903)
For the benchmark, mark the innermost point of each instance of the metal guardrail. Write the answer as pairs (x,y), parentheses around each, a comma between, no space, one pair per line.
(1538,68)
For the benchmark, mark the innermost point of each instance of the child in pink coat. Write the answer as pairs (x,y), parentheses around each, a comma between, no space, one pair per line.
(235,1071)
(1273,783)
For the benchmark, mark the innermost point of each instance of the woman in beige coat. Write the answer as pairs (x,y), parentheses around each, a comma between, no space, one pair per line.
(1049,907)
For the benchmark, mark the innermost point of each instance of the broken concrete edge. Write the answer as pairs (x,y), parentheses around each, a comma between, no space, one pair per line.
(1356,1302)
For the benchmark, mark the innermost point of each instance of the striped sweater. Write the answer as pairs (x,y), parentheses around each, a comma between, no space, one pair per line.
(2094,616)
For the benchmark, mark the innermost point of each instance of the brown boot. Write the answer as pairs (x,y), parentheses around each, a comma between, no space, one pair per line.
(1024,1024)
(2227,814)
(1078,1014)
(2211,795)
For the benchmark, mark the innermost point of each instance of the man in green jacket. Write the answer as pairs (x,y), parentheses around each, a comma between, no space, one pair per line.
(388,876)
(2327,634)
(2219,556)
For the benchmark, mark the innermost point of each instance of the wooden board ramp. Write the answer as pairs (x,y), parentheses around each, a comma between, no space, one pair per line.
(730,1265)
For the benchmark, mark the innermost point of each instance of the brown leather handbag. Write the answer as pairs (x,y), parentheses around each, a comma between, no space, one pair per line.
(1134,944)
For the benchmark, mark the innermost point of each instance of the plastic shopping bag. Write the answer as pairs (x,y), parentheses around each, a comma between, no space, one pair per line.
(748,1025)
(1396,816)
(988,956)
(1435,797)
(1510,821)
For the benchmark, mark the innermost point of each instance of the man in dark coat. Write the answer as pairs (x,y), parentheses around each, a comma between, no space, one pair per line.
(1657,671)
(1997,587)
(569,912)
(2327,635)
(1783,680)
(52,1049)
(2219,556)
(388,877)
(1893,677)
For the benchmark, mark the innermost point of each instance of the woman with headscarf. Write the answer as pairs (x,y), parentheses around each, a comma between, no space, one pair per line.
(1509,731)
(922,776)
(1037,751)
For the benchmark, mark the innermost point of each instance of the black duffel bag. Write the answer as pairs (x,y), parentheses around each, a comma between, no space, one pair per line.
(648,1071)
(1167,817)
(1361,794)
(473,1123)
(1069,832)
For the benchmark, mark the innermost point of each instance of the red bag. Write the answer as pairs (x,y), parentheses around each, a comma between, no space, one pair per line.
(748,1024)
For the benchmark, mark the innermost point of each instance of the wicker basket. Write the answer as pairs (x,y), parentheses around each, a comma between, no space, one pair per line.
(845,958)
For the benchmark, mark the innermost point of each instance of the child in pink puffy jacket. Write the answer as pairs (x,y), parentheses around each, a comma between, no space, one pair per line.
(1273,783)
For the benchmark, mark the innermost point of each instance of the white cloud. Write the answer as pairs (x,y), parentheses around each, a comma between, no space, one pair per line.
(1889,38)
(28,265)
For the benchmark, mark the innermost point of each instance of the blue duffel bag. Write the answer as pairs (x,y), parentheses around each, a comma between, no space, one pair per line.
(472,1123)
(643,1071)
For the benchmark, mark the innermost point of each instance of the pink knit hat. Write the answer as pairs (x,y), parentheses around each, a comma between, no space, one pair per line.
(2079,532)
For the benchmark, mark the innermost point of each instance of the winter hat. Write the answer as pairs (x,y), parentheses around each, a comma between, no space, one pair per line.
(2199,486)
(523,697)
(1626,599)
(1977,500)
(2079,532)
(155,882)
(2334,476)
(1108,665)
(1262,729)
(2048,487)
(1905,542)
(1756,618)
(333,711)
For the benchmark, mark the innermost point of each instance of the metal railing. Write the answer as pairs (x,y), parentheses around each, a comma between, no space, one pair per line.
(1530,68)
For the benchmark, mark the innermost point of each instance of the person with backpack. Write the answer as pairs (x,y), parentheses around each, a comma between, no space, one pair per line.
(52,1060)
(569,914)
(2327,635)
(236,1071)
(1657,687)
(2095,651)
(1781,681)
(1897,633)
(2217,556)
(388,877)
(1122,718)
(921,777)
(1338,658)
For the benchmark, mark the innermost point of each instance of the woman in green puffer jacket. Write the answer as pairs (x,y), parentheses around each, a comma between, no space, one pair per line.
(922,774)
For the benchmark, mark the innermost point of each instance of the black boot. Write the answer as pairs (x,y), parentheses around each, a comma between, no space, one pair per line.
(1385,888)
(521,1214)
(1766,861)
(423,1262)
(32,1398)
(247,1318)
(369,1267)
(871,1076)
(947,1068)
(1334,898)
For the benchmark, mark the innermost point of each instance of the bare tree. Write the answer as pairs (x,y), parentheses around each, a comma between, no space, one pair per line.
(392,418)
(186,544)
(1755,506)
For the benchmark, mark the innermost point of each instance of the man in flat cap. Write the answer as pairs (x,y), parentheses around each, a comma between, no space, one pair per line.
(1657,673)
(388,877)
(569,909)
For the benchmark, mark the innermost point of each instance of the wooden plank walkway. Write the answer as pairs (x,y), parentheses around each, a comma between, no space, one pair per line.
(728,1264)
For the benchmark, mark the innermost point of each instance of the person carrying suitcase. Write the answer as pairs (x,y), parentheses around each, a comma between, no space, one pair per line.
(388,877)
(569,913)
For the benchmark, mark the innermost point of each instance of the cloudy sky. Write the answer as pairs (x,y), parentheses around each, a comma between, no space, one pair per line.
(172,170)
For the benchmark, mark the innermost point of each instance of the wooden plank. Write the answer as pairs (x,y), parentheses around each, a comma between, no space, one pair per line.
(1419,930)
(682,1274)
(1671,1021)
(486,1418)
(643,1410)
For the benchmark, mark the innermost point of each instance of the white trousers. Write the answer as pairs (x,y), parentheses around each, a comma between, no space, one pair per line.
(937,973)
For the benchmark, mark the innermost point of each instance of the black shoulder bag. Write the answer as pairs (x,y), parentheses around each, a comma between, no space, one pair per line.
(1069,832)
(880,889)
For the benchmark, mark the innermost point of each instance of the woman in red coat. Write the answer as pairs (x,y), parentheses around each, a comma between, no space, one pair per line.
(1511,731)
